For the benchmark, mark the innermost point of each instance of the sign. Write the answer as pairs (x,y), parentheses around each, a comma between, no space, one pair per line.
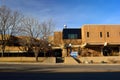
(74,54)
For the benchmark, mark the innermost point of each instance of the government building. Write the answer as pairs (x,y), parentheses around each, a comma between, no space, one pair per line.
(86,41)
(89,40)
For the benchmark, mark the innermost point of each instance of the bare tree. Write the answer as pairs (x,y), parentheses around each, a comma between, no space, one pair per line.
(9,22)
(31,29)
(37,35)
(47,28)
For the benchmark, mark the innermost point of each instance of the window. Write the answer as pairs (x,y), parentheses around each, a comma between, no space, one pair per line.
(87,34)
(69,33)
(72,36)
(100,34)
(108,35)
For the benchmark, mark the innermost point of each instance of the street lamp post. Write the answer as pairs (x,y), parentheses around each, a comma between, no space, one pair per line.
(49,47)
(69,48)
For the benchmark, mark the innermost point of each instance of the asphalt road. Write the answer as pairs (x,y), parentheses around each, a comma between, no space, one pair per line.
(59,72)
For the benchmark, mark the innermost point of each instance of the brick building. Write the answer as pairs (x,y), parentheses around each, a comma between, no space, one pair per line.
(89,40)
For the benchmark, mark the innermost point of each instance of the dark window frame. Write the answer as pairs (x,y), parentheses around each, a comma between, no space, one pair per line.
(108,34)
(72,36)
(88,34)
(72,31)
(101,35)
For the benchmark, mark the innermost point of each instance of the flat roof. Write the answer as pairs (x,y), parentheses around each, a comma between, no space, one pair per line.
(103,24)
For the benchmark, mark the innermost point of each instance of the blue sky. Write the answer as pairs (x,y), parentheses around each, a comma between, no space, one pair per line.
(73,13)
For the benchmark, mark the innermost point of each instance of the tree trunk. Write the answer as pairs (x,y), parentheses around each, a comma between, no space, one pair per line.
(44,54)
(36,52)
(36,58)
(3,51)
(2,55)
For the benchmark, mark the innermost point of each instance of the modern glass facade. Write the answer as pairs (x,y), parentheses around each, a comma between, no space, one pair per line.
(71,33)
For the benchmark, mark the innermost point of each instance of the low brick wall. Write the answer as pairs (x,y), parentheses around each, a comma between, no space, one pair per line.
(28,59)
(107,59)
(67,60)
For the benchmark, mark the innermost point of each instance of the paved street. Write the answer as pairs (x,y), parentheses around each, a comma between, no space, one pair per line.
(59,76)
(29,67)
(58,72)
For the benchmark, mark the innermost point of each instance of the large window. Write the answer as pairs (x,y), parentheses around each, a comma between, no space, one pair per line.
(72,36)
(72,33)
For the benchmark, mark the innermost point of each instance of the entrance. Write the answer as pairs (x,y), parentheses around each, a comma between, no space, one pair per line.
(107,51)
(111,51)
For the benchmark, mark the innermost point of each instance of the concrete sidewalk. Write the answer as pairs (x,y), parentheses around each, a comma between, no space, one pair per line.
(39,63)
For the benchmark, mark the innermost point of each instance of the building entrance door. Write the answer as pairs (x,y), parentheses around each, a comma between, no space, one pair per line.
(107,51)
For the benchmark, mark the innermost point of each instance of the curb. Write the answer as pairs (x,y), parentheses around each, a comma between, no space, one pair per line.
(38,63)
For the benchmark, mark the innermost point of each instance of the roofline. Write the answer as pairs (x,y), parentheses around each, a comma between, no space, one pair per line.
(101,24)
(71,28)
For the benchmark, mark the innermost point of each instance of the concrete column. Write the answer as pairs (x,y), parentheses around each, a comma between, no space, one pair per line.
(101,51)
